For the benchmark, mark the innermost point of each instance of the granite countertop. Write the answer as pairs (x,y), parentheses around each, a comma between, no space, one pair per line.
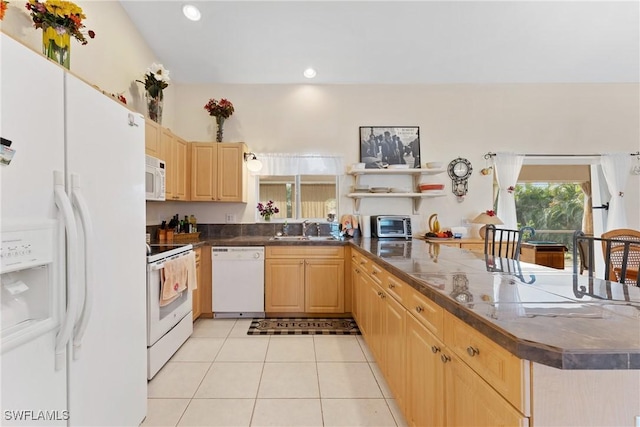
(537,313)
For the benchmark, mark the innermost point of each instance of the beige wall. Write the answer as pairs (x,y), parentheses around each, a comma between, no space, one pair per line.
(112,61)
(455,121)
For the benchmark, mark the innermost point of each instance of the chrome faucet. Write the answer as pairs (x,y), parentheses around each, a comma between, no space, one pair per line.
(306,224)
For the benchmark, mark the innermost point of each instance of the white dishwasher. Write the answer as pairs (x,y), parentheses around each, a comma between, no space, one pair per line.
(237,281)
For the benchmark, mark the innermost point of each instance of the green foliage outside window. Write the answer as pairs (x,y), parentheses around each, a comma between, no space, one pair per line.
(546,206)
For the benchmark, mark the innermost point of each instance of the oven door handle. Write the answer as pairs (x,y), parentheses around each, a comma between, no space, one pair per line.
(156,267)
(160,266)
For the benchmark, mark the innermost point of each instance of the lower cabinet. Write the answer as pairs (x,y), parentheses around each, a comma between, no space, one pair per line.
(284,285)
(304,279)
(196,299)
(470,401)
(424,403)
(468,382)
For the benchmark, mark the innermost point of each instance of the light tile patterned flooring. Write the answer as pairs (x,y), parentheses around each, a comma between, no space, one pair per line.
(223,377)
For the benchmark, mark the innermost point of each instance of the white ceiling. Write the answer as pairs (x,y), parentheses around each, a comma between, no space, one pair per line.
(394,42)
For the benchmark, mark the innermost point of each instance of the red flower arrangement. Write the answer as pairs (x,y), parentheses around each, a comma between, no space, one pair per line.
(491,212)
(223,108)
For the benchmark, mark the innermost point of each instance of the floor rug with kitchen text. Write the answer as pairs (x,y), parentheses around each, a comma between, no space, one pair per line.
(303,326)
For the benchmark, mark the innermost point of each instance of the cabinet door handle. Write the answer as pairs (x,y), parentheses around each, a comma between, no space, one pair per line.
(444,358)
(362,262)
(472,351)
(357,271)
(373,273)
(391,286)
(435,349)
(419,309)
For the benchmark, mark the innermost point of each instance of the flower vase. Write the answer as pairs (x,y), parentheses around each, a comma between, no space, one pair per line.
(154,106)
(57,46)
(220,123)
(267,218)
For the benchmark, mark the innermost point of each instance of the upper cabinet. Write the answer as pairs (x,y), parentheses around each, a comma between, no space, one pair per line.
(174,151)
(218,173)
(198,171)
(152,138)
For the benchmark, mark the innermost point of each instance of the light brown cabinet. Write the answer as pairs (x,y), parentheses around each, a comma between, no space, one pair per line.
(152,138)
(284,285)
(196,300)
(204,285)
(175,153)
(441,371)
(382,320)
(218,173)
(424,377)
(304,279)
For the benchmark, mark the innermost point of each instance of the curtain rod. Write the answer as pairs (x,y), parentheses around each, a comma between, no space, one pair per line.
(490,155)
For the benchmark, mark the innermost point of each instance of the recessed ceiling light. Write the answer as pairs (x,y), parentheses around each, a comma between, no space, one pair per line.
(191,12)
(309,73)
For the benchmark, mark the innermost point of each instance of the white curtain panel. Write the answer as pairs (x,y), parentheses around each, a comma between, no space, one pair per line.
(616,168)
(507,167)
(278,164)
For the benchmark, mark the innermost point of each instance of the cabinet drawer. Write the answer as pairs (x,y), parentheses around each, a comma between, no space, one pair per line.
(305,252)
(426,311)
(361,261)
(395,287)
(505,372)
(376,273)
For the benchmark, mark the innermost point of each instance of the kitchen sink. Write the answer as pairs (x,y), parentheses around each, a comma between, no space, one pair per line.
(303,238)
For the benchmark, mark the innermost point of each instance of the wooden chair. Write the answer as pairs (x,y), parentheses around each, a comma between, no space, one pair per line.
(622,250)
(504,243)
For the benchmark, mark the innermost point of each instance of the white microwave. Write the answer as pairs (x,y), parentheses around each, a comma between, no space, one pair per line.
(154,178)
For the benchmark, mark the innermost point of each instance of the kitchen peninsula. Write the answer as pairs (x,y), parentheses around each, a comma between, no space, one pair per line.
(474,339)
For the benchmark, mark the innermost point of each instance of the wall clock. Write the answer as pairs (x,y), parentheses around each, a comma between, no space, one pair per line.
(460,170)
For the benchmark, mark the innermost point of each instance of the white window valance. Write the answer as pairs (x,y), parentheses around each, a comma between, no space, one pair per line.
(278,164)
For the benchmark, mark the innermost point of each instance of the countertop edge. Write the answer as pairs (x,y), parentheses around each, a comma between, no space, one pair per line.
(537,352)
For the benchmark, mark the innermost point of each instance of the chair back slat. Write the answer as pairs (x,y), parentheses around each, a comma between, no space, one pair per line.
(504,243)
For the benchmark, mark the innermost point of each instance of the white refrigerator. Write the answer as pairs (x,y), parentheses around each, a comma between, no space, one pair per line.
(72,226)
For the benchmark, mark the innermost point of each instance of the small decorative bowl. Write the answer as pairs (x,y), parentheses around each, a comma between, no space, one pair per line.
(434,165)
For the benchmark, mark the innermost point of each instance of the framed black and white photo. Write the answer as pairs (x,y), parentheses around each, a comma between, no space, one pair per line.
(381,146)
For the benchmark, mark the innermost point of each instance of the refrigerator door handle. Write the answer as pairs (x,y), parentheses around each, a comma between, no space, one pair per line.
(66,328)
(87,224)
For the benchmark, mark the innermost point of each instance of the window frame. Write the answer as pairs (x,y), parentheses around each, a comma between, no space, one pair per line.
(297,203)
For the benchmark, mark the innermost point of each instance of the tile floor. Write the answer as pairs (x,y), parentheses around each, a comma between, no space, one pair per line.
(223,377)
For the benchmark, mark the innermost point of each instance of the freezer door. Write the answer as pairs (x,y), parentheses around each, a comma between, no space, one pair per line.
(31,116)
(105,153)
